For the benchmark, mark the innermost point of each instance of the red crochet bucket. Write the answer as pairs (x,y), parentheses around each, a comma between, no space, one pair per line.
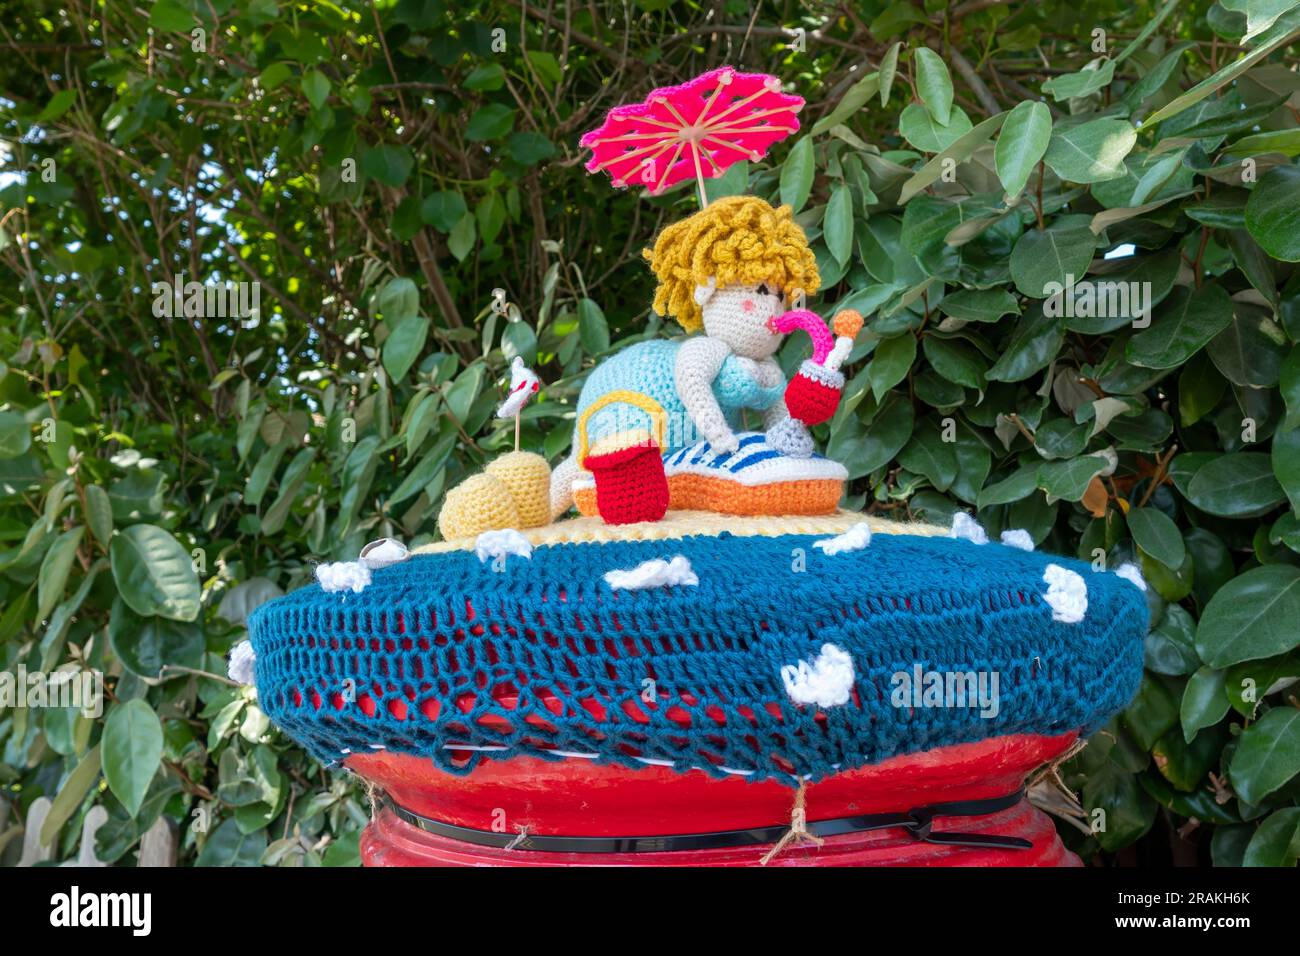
(630,484)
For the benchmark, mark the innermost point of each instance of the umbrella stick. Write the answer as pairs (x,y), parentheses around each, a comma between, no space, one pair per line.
(699,175)
(516,431)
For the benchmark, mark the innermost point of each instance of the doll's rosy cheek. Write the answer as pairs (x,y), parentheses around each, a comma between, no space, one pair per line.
(748,305)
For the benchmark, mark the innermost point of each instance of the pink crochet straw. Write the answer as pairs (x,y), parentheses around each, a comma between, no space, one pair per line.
(822,339)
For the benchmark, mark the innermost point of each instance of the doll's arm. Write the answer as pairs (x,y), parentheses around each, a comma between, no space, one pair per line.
(698,362)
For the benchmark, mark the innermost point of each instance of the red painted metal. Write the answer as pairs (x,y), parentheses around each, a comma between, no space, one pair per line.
(575,797)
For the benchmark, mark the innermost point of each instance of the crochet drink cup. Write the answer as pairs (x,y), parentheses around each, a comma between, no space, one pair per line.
(814,392)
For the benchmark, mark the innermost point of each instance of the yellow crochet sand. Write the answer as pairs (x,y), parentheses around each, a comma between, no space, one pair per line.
(681,524)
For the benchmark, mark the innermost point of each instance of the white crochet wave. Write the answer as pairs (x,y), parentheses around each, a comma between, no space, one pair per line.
(242,659)
(343,576)
(1131,573)
(964,526)
(654,573)
(855,539)
(499,544)
(1067,594)
(826,681)
(1018,538)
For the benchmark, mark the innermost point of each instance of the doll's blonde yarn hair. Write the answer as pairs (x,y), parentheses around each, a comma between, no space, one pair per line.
(738,240)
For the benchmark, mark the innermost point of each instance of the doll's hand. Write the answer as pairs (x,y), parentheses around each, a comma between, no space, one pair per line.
(724,442)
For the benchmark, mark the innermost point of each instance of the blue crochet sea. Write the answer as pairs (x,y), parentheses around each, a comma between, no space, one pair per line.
(460,660)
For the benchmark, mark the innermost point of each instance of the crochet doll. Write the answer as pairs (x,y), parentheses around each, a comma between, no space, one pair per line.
(729,271)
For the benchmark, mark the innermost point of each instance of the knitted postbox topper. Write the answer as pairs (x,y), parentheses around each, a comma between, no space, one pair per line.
(773,655)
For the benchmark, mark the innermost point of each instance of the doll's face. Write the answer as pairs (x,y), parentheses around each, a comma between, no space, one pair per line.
(741,316)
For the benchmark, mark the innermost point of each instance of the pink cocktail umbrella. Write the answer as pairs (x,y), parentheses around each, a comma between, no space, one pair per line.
(697,129)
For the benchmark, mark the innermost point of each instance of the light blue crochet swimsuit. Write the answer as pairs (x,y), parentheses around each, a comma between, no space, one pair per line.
(648,368)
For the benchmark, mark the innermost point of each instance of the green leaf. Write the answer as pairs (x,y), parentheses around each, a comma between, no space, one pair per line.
(1092,152)
(460,396)
(70,795)
(1267,754)
(59,104)
(1019,484)
(1129,812)
(485,78)
(230,846)
(853,100)
(491,121)
(291,483)
(246,597)
(398,301)
(530,148)
(418,478)
(315,87)
(593,327)
(1185,764)
(929,455)
(1247,683)
(1204,703)
(1081,83)
(390,165)
(145,644)
(99,514)
(1279,34)
(1068,480)
(1022,144)
(443,210)
(1273,213)
(890,363)
(1044,260)
(170,16)
(1248,351)
(131,749)
(956,361)
(1289,380)
(1252,616)
(934,84)
(959,151)
(1277,841)
(979,305)
(888,70)
(403,346)
(154,574)
(921,129)
(837,227)
(461,240)
(1152,713)
(1033,345)
(1284,141)
(1183,325)
(884,438)
(1170,648)
(1286,464)
(1157,535)
(797,174)
(1238,485)
(55,568)
(15,435)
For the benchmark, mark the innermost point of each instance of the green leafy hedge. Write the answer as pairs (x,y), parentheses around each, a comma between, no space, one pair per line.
(161,475)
